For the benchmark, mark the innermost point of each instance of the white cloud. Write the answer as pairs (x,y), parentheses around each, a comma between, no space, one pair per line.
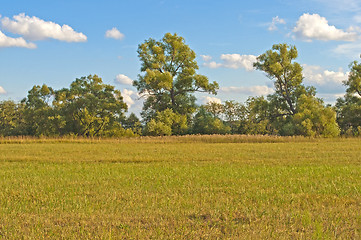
(350,49)
(317,75)
(6,41)
(253,90)
(208,99)
(234,61)
(310,27)
(2,90)
(206,58)
(213,64)
(275,21)
(114,33)
(129,97)
(34,28)
(123,79)
(239,61)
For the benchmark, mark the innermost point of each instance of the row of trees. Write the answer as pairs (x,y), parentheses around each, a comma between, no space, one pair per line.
(168,81)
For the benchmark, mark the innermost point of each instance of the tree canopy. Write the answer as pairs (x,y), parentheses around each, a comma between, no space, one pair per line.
(169,76)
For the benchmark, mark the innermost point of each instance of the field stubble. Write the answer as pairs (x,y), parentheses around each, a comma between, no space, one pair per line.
(180,188)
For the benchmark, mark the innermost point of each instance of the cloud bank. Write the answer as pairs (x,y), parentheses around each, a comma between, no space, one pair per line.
(252,90)
(34,28)
(6,41)
(234,61)
(321,77)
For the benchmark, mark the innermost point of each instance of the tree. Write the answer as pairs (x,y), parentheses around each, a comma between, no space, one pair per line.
(39,114)
(353,83)
(215,108)
(313,119)
(170,77)
(205,123)
(132,122)
(91,108)
(349,114)
(255,117)
(349,107)
(166,123)
(287,75)
(11,118)
(294,108)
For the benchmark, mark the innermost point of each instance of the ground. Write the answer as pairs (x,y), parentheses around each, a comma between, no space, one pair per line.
(192,187)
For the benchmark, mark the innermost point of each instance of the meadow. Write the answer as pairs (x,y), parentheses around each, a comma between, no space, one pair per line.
(192,187)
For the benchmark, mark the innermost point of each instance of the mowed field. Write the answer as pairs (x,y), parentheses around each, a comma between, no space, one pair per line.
(210,187)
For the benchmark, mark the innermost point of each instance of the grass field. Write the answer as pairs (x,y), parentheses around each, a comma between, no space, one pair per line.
(220,187)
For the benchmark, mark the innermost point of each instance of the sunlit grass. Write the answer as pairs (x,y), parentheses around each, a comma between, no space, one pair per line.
(180,188)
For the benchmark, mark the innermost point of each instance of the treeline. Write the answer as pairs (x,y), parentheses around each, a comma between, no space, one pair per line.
(168,81)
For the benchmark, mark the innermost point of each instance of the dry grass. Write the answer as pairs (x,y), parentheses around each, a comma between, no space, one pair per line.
(191,187)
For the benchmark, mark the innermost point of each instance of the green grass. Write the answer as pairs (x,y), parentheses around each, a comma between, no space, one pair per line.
(220,187)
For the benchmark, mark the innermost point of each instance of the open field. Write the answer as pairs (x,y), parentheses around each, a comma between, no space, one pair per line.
(230,187)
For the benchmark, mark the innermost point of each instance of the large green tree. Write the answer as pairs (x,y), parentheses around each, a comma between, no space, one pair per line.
(40,116)
(169,76)
(349,107)
(353,83)
(91,108)
(11,118)
(294,109)
(279,66)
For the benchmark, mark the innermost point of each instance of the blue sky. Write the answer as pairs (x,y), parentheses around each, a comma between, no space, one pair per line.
(36,47)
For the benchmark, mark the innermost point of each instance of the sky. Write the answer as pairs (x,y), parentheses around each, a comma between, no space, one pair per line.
(55,42)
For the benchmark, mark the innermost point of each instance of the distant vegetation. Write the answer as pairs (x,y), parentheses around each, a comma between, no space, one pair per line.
(168,81)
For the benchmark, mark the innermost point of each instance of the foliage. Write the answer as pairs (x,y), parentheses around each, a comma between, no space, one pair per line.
(349,115)
(255,119)
(353,83)
(313,119)
(167,123)
(91,108)
(40,116)
(132,122)
(170,77)
(205,123)
(11,118)
(278,64)
(293,108)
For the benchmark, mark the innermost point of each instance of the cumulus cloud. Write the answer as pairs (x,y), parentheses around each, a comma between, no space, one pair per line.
(2,90)
(208,99)
(34,28)
(114,33)
(314,27)
(234,61)
(129,97)
(123,79)
(6,41)
(317,75)
(275,21)
(252,90)
(206,58)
